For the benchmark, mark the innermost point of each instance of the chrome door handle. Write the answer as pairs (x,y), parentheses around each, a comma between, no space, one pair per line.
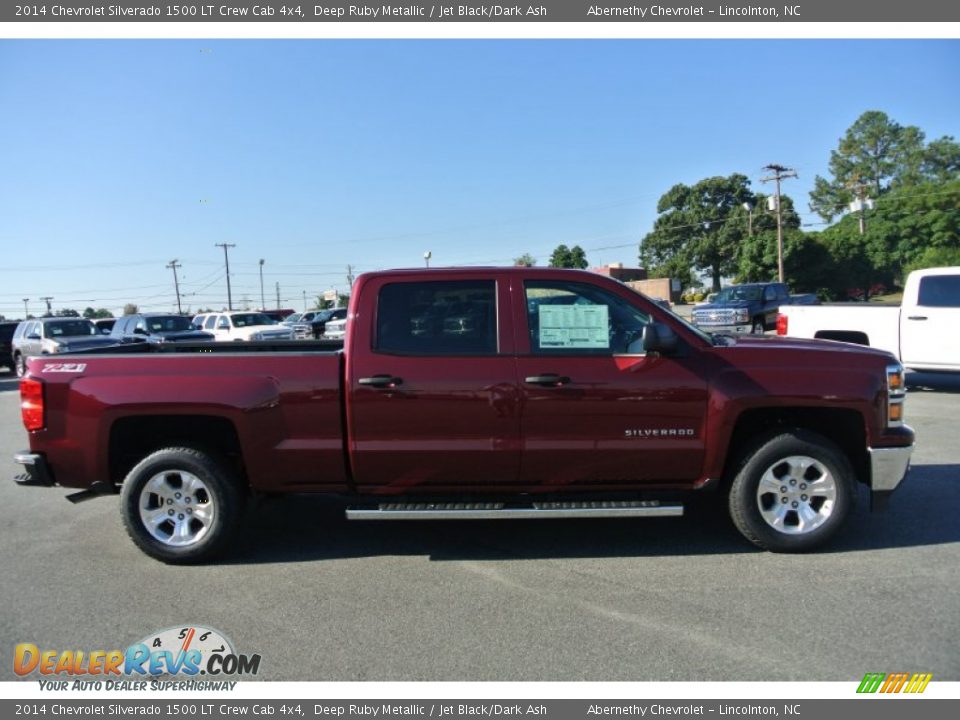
(547,380)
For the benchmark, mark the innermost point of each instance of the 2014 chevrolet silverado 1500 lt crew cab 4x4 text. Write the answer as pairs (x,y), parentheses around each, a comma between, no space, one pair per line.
(921,332)
(475,393)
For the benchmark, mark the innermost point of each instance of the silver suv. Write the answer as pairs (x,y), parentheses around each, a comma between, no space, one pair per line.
(50,335)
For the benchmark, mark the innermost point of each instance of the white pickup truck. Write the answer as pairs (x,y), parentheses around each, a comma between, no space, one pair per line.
(922,331)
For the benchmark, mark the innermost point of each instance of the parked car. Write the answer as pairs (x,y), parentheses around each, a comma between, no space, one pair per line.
(50,335)
(240,325)
(301,330)
(157,328)
(335,329)
(317,319)
(579,397)
(750,308)
(6,343)
(921,331)
(104,325)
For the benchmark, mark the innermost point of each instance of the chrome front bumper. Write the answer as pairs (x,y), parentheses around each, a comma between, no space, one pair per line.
(888,467)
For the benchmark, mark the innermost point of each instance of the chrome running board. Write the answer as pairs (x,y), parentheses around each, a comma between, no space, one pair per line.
(500,511)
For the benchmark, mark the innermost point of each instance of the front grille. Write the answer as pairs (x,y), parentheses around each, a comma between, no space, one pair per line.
(715,317)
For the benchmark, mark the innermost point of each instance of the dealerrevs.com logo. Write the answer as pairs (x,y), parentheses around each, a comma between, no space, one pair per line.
(177,652)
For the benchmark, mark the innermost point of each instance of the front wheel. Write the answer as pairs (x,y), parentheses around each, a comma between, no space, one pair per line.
(180,505)
(792,491)
(758,327)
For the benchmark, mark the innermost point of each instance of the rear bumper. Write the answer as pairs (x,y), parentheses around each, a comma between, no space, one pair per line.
(888,467)
(37,470)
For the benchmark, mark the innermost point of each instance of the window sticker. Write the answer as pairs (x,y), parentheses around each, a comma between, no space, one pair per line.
(574,326)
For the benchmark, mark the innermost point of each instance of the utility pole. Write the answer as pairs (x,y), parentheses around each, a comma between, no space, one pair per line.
(278,294)
(304,300)
(226,261)
(26,310)
(862,203)
(173,265)
(349,277)
(779,173)
(47,301)
(263,303)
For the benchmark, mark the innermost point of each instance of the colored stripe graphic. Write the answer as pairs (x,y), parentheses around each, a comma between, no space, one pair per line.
(871,682)
(894,682)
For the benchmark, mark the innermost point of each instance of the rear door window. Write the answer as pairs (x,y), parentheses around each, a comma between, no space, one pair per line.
(939,291)
(437,318)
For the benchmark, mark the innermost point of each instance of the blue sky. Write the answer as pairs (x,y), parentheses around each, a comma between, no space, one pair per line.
(117,156)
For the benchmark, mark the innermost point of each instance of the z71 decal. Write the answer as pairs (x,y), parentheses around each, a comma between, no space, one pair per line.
(64,368)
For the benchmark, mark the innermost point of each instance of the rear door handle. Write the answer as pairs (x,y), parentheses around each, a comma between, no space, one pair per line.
(917,317)
(547,380)
(381,381)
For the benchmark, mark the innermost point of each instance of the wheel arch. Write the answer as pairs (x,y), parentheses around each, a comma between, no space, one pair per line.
(134,438)
(843,427)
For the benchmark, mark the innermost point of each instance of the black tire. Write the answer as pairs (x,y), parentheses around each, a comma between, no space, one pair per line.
(19,365)
(174,485)
(758,327)
(807,517)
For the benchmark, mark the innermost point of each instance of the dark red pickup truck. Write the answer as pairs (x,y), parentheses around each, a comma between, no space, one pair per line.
(475,393)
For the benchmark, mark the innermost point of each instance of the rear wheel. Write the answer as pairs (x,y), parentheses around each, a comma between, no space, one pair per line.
(792,492)
(180,505)
(19,365)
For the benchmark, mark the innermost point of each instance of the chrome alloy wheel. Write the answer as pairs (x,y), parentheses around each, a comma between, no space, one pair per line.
(176,508)
(796,495)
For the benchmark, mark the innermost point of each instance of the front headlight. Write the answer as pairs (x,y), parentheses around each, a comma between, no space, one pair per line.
(257,336)
(743,315)
(896,394)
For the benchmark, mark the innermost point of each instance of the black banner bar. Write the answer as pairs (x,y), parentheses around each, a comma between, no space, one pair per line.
(719,11)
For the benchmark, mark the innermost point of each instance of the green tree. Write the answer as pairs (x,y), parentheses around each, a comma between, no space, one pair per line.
(757,253)
(564,257)
(91,314)
(525,260)
(879,155)
(699,227)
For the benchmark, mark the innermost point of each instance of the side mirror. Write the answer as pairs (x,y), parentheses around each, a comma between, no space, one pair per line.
(659,338)
(139,331)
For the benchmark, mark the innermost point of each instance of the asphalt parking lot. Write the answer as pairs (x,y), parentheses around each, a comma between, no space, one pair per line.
(664,599)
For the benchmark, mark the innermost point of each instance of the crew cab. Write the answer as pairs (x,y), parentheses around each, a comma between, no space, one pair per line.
(475,394)
(921,332)
(750,308)
(156,328)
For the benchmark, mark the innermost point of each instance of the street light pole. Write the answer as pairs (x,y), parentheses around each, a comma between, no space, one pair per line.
(26,310)
(263,302)
(426,257)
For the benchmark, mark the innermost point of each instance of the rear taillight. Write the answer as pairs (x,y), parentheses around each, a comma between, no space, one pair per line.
(781,324)
(31,403)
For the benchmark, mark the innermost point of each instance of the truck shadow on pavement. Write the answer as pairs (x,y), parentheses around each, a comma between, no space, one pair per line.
(302,528)
(9,382)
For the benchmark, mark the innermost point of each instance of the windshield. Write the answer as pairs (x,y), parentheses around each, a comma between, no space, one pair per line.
(71,328)
(733,294)
(169,323)
(250,319)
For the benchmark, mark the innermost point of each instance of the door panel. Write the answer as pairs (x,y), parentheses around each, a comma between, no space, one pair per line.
(613,418)
(433,403)
(928,335)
